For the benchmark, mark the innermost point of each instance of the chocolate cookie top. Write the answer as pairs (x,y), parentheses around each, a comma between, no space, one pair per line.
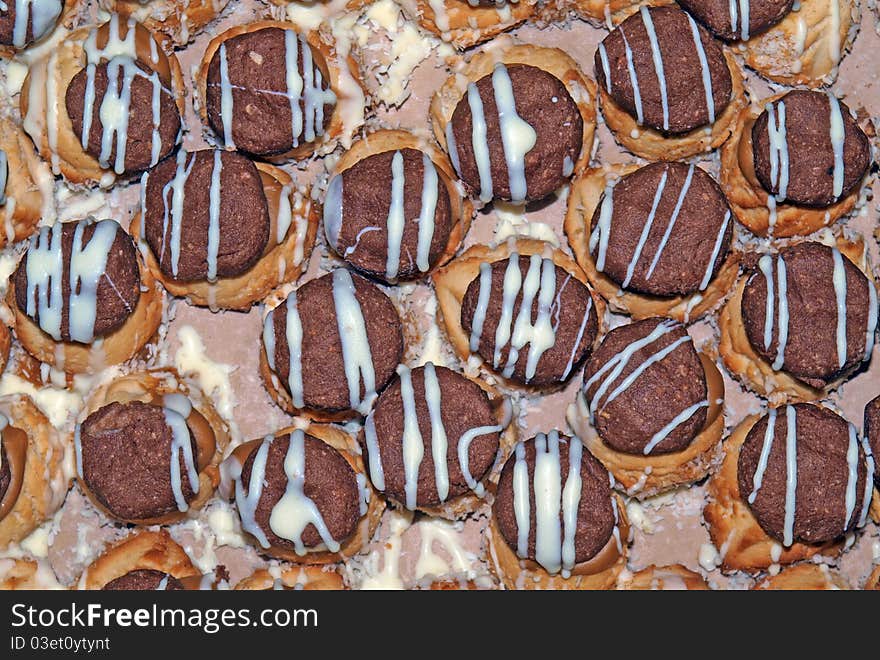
(144,579)
(123,115)
(810,312)
(646,388)
(24,21)
(809,149)
(297,492)
(139,460)
(803,473)
(268,92)
(100,257)
(663,230)
(529,319)
(872,434)
(334,343)
(533,507)
(734,20)
(426,414)
(515,134)
(205,215)
(664,70)
(4,176)
(389,215)
(5,471)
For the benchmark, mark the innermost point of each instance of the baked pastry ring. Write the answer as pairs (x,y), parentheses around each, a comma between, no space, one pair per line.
(281,517)
(260,140)
(43,16)
(585,197)
(394,221)
(566,153)
(756,371)
(431,406)
(296,578)
(601,530)
(694,135)
(460,281)
(873,582)
(803,577)
(153,556)
(757,209)
(639,473)
(33,474)
(22,184)
(44,102)
(662,578)
(290,219)
(733,526)
(179,20)
(27,575)
(607,13)
(125,316)
(149,411)
(466,23)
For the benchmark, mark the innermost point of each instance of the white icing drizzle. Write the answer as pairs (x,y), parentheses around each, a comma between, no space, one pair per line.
(872,319)
(377,471)
(4,174)
(657,57)
(571,499)
(479,142)
(704,69)
(521,503)
(869,481)
(439,442)
(577,341)
(765,264)
(634,79)
(181,444)
(163,583)
(782,287)
(672,219)
(174,213)
(790,475)
(356,354)
(517,136)
(852,474)
(743,20)
(779,160)
(333,211)
(295,510)
(548,500)
(294,83)
(452,148)
(43,15)
(707,276)
(769,435)
(677,421)
(430,191)
(396,220)
(226,100)
(603,57)
(838,137)
(413,447)
(285,219)
(213,246)
(839,279)
(834,31)
(602,232)
(482,306)
(649,223)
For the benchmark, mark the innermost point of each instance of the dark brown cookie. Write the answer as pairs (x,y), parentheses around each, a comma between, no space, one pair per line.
(144,579)
(5,471)
(595,518)
(375,208)
(566,325)
(110,256)
(126,455)
(639,71)
(42,17)
(329,482)
(462,406)
(326,357)
(872,433)
(221,183)
(818,153)
(822,496)
(815,348)
(663,230)
(647,388)
(261,119)
(542,102)
(149,136)
(735,20)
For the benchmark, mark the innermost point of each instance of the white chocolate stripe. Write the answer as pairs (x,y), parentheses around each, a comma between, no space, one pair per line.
(413,444)
(769,435)
(571,499)
(707,276)
(482,306)
(872,319)
(634,80)
(577,341)
(677,421)
(396,221)
(548,502)
(649,223)
(839,279)
(479,142)
(213,243)
(657,57)
(356,354)
(602,232)
(869,482)
(706,72)
(838,137)
(791,475)
(852,474)
(782,287)
(430,191)
(439,441)
(672,219)
(247,501)
(181,443)
(521,503)
(226,99)
(517,136)
(627,382)
(765,264)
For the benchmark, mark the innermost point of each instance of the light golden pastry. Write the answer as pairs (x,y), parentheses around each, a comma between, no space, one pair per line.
(604,13)
(308,502)
(145,556)
(270,254)
(42,17)
(523,359)
(118,308)
(424,224)
(296,578)
(274,132)
(82,61)
(649,448)
(23,180)
(27,575)
(34,474)
(873,582)
(138,426)
(662,578)
(803,577)
(179,20)
(818,371)
(774,214)
(586,195)
(466,23)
